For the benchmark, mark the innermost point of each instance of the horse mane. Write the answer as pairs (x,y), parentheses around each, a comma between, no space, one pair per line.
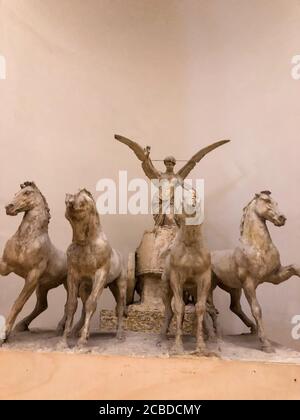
(33,185)
(245,209)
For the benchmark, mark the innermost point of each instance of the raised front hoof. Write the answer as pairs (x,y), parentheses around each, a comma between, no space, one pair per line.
(253,330)
(21,327)
(268,348)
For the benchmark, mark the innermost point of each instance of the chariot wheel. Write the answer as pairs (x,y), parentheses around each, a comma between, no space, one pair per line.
(131,279)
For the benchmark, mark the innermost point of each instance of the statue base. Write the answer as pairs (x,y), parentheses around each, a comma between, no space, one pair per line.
(136,368)
(142,318)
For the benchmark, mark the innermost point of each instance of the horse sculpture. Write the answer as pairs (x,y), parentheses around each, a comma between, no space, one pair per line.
(30,254)
(92,265)
(187,268)
(256,260)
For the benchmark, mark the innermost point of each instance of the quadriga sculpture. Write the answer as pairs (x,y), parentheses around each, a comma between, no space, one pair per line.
(188,268)
(92,265)
(30,254)
(255,260)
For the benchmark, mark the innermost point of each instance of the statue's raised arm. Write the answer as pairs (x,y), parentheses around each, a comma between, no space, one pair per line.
(186,169)
(143,155)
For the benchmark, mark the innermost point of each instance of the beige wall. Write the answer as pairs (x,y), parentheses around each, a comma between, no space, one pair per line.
(174,74)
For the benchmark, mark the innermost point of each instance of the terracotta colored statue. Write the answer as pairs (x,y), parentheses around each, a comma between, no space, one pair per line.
(187,268)
(30,254)
(255,260)
(92,265)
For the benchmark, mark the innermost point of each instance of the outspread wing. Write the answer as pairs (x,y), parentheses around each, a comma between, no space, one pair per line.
(143,155)
(138,150)
(186,169)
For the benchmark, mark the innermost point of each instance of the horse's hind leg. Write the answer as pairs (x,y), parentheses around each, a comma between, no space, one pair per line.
(213,313)
(235,307)
(118,289)
(250,293)
(41,306)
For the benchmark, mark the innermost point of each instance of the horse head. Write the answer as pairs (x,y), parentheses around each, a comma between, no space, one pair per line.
(79,205)
(267,208)
(26,199)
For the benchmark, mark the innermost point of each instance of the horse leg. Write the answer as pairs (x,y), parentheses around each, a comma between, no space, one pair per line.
(250,293)
(177,289)
(118,288)
(91,304)
(203,289)
(61,325)
(71,305)
(115,292)
(41,306)
(84,292)
(167,299)
(29,287)
(213,313)
(284,274)
(235,307)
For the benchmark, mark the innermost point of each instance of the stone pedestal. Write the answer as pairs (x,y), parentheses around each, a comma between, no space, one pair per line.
(150,262)
(150,291)
(145,268)
(144,319)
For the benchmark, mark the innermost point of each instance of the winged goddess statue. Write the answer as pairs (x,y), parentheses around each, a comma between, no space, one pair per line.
(143,154)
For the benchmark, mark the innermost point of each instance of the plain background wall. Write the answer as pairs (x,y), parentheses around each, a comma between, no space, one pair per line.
(176,75)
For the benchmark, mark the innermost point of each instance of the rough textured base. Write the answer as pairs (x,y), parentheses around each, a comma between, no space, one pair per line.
(111,371)
(144,319)
(240,347)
